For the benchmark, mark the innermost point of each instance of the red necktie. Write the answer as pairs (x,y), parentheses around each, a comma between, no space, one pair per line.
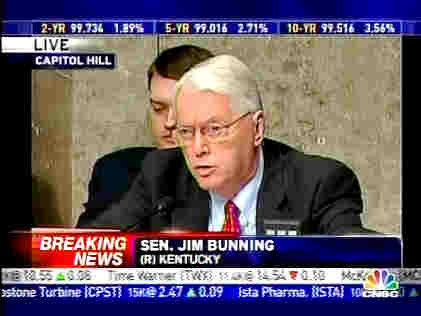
(232,222)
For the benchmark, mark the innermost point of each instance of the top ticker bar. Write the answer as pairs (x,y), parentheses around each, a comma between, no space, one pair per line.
(206,28)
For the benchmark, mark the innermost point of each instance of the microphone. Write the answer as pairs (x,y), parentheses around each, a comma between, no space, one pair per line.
(163,206)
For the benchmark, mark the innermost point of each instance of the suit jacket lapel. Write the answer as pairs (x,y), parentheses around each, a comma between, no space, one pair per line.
(272,193)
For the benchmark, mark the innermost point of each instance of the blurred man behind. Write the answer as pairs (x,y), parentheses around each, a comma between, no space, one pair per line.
(114,173)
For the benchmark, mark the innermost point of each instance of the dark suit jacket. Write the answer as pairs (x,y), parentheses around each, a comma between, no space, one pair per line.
(112,176)
(322,193)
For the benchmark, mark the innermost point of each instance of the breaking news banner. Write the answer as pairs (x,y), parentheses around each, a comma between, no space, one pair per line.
(55,53)
(212,283)
(82,249)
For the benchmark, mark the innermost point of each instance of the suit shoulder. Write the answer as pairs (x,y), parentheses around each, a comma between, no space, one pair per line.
(127,157)
(163,159)
(316,165)
(277,152)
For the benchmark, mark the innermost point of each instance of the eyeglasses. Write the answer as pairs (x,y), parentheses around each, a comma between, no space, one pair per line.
(213,132)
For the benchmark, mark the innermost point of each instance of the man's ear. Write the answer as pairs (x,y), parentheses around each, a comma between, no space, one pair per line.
(259,121)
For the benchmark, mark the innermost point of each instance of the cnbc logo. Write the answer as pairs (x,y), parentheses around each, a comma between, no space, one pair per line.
(381,283)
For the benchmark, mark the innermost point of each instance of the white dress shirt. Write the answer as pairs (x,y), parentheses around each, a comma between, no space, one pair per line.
(246,201)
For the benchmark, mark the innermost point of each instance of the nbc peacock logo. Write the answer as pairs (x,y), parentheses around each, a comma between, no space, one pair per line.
(381,283)
(381,280)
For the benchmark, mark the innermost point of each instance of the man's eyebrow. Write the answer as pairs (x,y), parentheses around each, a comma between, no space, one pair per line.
(214,119)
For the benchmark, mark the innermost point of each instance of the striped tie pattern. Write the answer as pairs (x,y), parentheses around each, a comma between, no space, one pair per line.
(232,222)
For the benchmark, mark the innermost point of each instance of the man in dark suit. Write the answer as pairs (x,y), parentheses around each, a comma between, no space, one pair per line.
(114,173)
(226,176)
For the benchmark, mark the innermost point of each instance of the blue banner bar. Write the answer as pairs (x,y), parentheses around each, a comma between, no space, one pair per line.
(17,28)
(340,28)
(411,28)
(220,27)
(277,251)
(93,28)
(208,292)
(217,27)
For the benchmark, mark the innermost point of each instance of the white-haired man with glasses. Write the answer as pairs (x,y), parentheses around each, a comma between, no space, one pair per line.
(226,176)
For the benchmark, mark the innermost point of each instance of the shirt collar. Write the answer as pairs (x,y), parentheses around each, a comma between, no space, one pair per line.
(244,199)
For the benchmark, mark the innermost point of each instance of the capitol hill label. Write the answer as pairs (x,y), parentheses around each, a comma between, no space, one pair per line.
(73,61)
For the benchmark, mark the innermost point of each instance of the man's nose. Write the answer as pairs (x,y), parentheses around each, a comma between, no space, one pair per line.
(170,123)
(200,144)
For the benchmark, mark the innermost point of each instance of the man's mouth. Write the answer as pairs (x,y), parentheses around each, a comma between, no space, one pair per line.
(204,170)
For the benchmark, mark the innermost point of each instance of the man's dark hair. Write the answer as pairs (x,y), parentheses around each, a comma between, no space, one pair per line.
(172,63)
